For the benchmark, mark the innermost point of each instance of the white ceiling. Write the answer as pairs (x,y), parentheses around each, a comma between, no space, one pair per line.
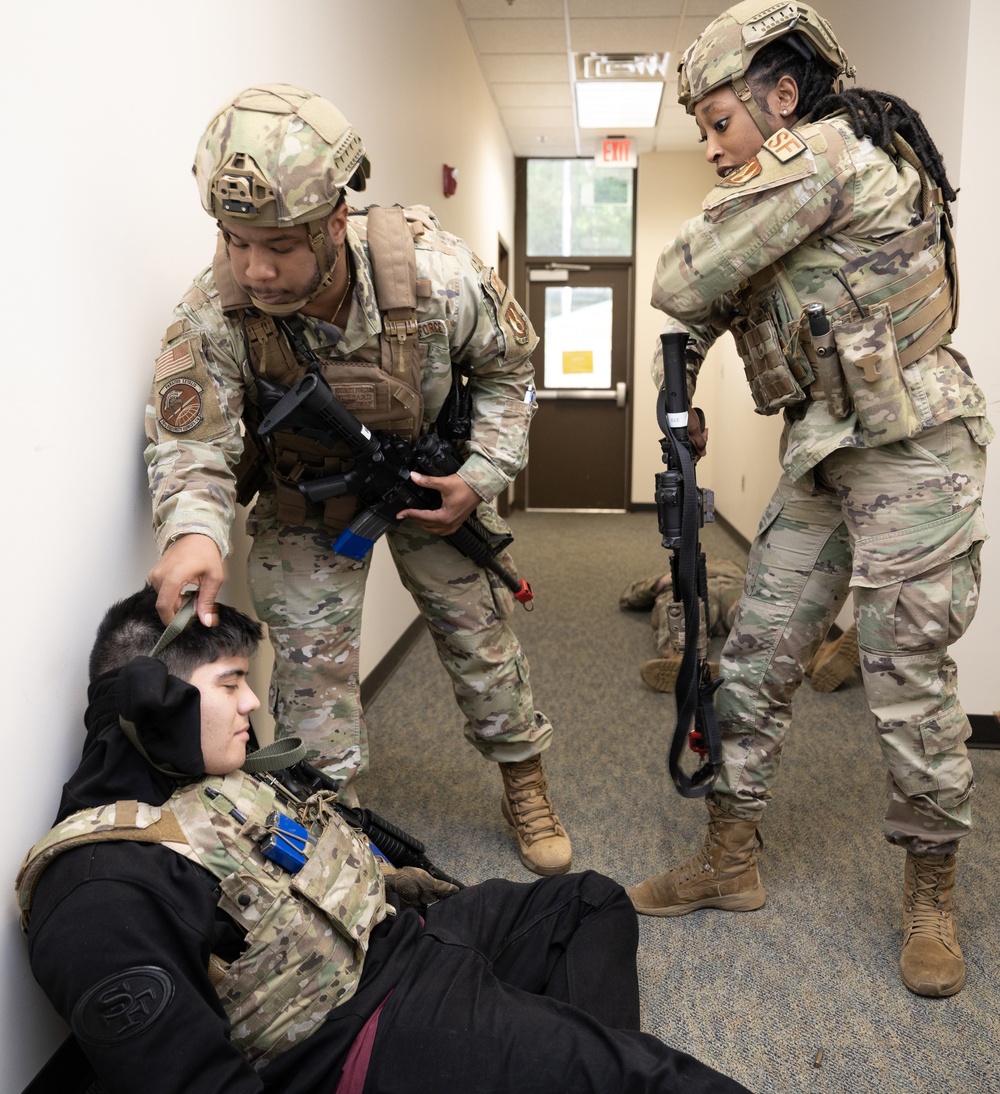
(526,48)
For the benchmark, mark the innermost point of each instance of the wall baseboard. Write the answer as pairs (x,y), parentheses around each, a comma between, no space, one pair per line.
(373,683)
(985,731)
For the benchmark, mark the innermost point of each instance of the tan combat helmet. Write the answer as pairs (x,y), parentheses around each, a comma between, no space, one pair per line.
(277,155)
(722,53)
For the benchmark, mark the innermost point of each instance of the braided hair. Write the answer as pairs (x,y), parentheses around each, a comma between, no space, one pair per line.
(873,114)
(878,115)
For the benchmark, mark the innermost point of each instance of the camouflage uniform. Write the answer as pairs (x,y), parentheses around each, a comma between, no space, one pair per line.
(883,458)
(312,598)
(724,580)
(725,583)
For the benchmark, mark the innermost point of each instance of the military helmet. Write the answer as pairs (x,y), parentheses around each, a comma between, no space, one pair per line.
(722,53)
(277,155)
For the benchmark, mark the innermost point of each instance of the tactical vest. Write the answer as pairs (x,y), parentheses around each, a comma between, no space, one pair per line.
(890,315)
(380,385)
(306,933)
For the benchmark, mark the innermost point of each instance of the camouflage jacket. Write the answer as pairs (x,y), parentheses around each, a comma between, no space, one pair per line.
(465,314)
(306,933)
(815,208)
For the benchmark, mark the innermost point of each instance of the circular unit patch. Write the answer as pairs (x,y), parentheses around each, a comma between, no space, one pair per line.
(181,407)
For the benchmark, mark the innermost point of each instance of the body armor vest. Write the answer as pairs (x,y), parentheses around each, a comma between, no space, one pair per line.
(306,932)
(380,385)
(887,316)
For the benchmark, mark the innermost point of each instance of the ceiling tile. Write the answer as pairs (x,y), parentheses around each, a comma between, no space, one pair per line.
(520,9)
(517,35)
(538,68)
(595,9)
(538,118)
(559,142)
(532,95)
(525,58)
(623,35)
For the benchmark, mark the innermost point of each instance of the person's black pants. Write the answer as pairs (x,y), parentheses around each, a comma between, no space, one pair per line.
(527,988)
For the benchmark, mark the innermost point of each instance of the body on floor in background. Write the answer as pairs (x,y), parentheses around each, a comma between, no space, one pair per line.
(834,662)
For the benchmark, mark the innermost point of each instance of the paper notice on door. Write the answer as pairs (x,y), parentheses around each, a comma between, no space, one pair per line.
(578,362)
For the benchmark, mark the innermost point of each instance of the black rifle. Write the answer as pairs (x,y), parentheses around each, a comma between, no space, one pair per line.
(380,477)
(682,508)
(399,848)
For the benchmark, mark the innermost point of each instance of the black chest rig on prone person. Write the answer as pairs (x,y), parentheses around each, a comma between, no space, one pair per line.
(379,384)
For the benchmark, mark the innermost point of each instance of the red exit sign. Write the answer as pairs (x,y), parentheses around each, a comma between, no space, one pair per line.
(616,152)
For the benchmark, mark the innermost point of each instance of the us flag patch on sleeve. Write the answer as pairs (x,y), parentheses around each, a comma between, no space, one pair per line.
(784,146)
(176,359)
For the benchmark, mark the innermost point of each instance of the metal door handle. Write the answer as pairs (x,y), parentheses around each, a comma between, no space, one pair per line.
(619,394)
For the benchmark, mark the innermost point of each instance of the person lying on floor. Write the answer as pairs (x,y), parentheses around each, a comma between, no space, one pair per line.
(197,942)
(835,661)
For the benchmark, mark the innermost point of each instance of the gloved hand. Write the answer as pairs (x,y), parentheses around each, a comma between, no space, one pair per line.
(414,886)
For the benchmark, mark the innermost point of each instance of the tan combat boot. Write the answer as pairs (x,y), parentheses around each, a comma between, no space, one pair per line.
(661,673)
(542,842)
(931,961)
(835,661)
(723,874)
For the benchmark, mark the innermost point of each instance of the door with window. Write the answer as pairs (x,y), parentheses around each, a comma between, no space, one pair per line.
(576,233)
(579,443)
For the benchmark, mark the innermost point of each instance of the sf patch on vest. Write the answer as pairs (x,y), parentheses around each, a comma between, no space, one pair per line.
(181,386)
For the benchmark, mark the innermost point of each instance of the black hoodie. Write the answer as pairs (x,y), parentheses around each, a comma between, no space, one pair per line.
(138,922)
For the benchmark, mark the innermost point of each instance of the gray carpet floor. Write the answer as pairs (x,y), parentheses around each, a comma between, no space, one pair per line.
(801,996)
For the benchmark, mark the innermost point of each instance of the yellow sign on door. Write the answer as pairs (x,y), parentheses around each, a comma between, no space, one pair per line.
(577,362)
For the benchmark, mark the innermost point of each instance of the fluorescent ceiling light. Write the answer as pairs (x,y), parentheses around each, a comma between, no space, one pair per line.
(618,104)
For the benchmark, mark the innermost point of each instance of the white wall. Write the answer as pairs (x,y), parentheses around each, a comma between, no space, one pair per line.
(976,335)
(102,107)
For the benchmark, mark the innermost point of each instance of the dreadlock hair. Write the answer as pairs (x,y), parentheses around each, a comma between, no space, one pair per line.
(878,115)
(873,114)
(131,628)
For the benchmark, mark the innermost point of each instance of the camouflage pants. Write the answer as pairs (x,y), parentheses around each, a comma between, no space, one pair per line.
(311,600)
(901,525)
(725,582)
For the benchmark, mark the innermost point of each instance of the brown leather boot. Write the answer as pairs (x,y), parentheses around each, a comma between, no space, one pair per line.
(542,842)
(723,874)
(931,961)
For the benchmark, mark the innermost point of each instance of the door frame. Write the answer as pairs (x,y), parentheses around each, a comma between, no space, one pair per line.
(521,287)
(620,275)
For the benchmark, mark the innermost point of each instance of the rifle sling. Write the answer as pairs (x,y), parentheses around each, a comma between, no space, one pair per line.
(694,688)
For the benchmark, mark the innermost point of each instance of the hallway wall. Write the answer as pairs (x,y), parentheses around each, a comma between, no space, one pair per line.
(103,106)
